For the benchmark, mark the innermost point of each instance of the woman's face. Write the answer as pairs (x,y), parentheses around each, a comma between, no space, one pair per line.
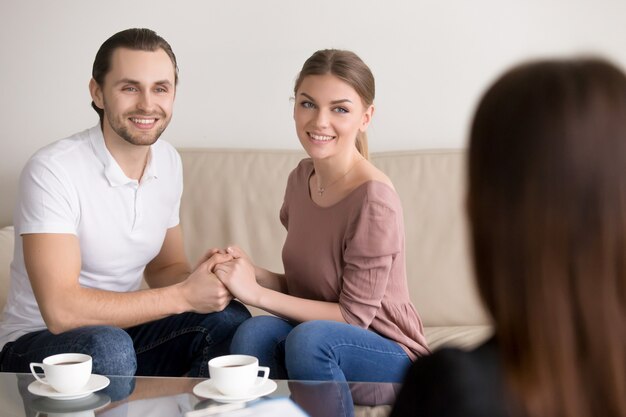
(328,114)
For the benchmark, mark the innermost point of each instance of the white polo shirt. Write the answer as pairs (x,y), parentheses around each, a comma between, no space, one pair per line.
(75,186)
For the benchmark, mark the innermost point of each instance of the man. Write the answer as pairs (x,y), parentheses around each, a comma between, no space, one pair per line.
(96,213)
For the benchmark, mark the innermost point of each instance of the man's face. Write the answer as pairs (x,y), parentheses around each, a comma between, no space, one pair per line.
(137,96)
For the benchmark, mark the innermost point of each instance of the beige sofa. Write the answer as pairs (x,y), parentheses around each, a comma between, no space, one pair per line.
(233,196)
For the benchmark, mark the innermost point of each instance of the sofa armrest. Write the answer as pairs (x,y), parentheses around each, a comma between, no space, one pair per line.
(7,242)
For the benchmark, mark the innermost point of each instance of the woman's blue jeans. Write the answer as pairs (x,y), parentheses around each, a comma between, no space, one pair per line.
(173,346)
(320,350)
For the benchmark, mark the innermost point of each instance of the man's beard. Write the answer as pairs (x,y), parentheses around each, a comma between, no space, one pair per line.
(139,139)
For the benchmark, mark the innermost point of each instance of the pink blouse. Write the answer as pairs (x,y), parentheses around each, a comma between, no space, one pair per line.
(351,253)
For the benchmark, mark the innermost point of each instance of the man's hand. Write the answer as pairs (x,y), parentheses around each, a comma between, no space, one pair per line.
(203,292)
(208,255)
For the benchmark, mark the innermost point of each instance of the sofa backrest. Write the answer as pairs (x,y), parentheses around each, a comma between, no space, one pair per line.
(234,196)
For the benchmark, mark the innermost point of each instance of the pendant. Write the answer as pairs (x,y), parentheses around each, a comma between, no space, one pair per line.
(320,191)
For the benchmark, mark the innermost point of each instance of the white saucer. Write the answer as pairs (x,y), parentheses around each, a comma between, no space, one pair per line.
(206,389)
(95,383)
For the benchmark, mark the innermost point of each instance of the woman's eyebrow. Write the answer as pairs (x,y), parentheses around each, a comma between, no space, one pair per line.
(343,100)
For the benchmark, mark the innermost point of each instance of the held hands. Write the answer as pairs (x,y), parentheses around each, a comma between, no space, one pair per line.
(208,255)
(202,290)
(238,275)
(236,252)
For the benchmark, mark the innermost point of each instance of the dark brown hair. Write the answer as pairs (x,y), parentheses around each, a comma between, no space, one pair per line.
(349,68)
(547,211)
(135,39)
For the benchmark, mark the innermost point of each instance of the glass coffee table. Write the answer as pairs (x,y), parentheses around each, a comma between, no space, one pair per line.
(174,397)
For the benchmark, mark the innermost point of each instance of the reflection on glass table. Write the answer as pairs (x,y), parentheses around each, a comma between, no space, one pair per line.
(173,397)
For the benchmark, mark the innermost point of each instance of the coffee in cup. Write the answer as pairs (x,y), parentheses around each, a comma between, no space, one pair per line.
(237,375)
(66,373)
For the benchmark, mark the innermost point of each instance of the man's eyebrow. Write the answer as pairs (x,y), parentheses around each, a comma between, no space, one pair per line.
(343,100)
(127,81)
(135,82)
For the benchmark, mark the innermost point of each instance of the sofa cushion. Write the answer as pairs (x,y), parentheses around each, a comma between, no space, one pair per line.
(464,337)
(234,196)
(431,186)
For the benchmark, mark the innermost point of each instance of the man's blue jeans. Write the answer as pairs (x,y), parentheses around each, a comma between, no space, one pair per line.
(321,350)
(173,346)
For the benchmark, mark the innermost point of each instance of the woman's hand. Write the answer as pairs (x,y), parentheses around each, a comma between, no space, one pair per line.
(236,252)
(264,278)
(232,250)
(239,277)
(208,255)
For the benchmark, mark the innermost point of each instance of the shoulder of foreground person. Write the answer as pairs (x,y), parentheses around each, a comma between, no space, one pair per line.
(452,382)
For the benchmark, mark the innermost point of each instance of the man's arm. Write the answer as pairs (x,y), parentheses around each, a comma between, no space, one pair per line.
(170,266)
(53,264)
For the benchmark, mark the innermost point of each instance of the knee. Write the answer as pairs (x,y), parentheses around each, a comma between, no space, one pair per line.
(253,333)
(112,350)
(309,351)
(222,325)
(234,314)
(308,338)
(256,325)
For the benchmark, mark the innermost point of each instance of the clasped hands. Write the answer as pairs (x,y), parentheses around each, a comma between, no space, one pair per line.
(234,273)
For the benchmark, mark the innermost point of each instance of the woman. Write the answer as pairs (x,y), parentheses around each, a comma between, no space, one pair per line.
(343,301)
(547,213)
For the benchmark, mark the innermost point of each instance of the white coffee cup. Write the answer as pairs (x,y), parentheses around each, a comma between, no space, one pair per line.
(66,373)
(237,375)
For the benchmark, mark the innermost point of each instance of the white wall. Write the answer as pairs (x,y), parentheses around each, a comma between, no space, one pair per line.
(238,60)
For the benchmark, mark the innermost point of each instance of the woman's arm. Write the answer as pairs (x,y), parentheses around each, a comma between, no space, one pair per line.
(298,309)
(264,277)
(270,280)
(239,276)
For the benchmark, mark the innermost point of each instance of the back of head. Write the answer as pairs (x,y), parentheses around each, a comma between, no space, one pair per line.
(547,211)
(348,67)
(137,39)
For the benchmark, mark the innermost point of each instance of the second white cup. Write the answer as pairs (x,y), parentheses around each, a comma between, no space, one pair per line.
(237,375)
(67,372)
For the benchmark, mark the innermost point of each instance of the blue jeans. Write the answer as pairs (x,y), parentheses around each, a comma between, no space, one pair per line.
(320,350)
(337,399)
(173,346)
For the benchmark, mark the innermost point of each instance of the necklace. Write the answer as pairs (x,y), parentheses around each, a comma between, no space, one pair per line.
(320,189)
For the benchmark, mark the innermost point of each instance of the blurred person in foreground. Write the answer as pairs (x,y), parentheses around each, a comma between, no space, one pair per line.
(547,212)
